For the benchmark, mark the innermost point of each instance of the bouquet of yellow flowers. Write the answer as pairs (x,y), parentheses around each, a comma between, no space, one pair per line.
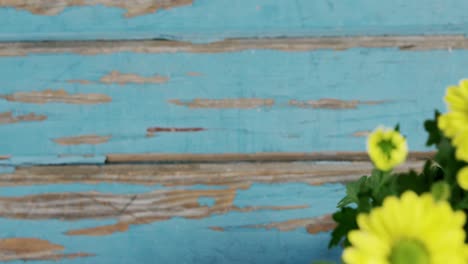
(411,217)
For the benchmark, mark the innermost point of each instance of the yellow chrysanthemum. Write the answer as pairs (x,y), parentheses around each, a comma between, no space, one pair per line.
(387,148)
(408,230)
(462,178)
(454,124)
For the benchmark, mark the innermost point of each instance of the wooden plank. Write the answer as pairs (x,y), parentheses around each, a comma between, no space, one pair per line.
(197,20)
(97,225)
(88,213)
(240,175)
(256,157)
(426,42)
(283,102)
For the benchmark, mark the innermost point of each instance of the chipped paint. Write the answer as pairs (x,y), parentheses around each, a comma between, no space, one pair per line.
(194,74)
(312,225)
(84,139)
(144,208)
(5,157)
(115,77)
(329,103)
(150,132)
(217,228)
(238,175)
(55,7)
(363,133)
(9,118)
(240,103)
(174,129)
(100,230)
(435,42)
(33,249)
(56,96)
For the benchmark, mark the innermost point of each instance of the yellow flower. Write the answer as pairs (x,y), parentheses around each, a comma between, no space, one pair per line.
(408,230)
(462,178)
(387,148)
(454,124)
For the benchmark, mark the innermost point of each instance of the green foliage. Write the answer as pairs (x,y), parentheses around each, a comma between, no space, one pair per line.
(346,221)
(435,135)
(437,176)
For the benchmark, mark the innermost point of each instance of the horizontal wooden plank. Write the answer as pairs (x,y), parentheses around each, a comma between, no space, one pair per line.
(236,174)
(426,42)
(58,106)
(204,21)
(77,226)
(256,157)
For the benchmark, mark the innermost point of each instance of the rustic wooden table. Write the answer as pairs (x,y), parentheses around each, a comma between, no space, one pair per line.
(205,131)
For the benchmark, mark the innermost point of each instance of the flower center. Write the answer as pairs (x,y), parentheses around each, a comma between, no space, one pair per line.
(387,147)
(409,252)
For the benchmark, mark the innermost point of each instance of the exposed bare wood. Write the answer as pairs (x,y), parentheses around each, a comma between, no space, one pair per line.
(444,42)
(254,157)
(33,249)
(128,210)
(194,74)
(329,103)
(235,175)
(115,77)
(58,96)
(4,157)
(84,139)
(239,103)
(363,133)
(313,225)
(9,118)
(54,7)
(174,129)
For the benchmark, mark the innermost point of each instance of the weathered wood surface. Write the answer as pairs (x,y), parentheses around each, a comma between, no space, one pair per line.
(428,42)
(60,105)
(201,131)
(205,20)
(245,212)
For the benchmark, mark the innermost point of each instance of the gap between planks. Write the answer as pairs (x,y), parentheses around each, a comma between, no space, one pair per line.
(253,157)
(93,47)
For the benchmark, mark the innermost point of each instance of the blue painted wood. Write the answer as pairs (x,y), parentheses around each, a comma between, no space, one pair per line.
(208,20)
(181,240)
(396,77)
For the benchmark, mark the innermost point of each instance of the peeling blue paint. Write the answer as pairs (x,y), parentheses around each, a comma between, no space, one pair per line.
(191,241)
(207,20)
(357,74)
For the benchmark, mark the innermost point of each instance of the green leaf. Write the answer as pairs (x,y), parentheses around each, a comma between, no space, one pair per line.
(435,135)
(462,204)
(397,127)
(346,221)
(353,190)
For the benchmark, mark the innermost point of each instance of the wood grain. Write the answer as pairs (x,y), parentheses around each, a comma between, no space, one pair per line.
(143,208)
(312,225)
(238,103)
(56,96)
(26,249)
(10,118)
(83,139)
(116,77)
(406,43)
(255,157)
(234,174)
(54,7)
(330,103)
